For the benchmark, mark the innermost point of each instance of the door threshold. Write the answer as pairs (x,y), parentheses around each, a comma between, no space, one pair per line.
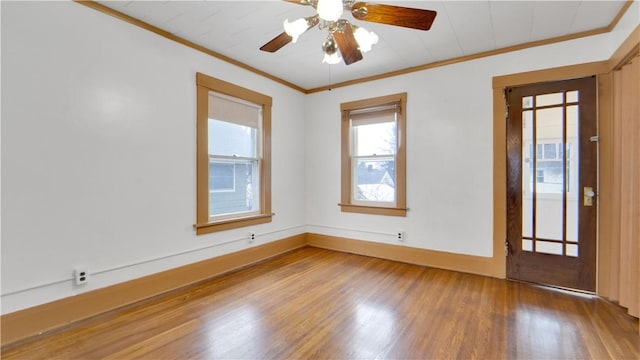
(562,289)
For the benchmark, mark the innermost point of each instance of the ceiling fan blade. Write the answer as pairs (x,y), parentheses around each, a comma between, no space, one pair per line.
(347,44)
(277,42)
(394,15)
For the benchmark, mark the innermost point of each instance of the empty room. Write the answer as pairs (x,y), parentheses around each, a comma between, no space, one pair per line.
(320,179)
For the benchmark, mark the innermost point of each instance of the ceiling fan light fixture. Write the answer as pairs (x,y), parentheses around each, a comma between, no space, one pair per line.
(332,59)
(331,53)
(347,41)
(366,39)
(330,10)
(296,28)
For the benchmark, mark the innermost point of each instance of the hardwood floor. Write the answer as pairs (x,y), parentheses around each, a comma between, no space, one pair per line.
(314,303)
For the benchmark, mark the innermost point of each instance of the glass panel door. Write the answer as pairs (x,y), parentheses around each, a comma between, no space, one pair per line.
(549,175)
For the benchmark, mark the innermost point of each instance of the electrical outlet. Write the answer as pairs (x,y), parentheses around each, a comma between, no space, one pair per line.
(81,276)
(401,235)
(251,237)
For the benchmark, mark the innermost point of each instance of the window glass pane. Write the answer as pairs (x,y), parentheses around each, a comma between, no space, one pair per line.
(539,153)
(221,176)
(243,197)
(549,99)
(527,245)
(229,139)
(527,102)
(375,179)
(374,139)
(550,151)
(572,96)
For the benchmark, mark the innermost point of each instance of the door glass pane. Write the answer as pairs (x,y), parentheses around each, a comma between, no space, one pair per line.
(549,99)
(548,247)
(527,245)
(573,163)
(572,96)
(572,250)
(549,174)
(527,173)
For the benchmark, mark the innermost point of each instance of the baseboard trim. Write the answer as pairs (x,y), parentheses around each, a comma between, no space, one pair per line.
(28,323)
(24,325)
(443,260)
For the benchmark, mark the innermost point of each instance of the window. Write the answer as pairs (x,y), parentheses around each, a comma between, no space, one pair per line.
(233,156)
(373,156)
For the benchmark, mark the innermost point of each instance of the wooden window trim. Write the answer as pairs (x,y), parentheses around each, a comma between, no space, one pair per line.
(400,208)
(203,224)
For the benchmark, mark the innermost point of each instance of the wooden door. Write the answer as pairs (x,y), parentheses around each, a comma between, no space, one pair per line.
(552,181)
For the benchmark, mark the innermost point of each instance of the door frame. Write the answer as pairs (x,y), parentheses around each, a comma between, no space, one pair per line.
(500,83)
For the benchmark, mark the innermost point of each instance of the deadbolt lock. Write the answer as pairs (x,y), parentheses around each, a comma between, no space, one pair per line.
(588,196)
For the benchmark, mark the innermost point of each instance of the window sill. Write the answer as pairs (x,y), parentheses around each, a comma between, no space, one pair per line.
(374,210)
(232,223)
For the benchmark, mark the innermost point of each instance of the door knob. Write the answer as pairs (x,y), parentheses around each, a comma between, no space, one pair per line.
(588,196)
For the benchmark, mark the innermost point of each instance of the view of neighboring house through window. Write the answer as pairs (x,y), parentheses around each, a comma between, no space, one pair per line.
(233,156)
(549,174)
(373,156)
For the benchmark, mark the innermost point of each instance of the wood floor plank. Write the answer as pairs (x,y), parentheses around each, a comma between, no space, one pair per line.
(316,303)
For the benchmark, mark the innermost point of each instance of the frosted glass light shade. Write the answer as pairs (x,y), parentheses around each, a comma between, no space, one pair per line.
(296,28)
(365,39)
(332,59)
(330,10)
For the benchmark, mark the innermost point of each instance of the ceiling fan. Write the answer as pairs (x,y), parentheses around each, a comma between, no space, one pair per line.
(350,40)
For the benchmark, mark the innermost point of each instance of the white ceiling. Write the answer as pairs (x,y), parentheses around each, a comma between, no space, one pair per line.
(237,29)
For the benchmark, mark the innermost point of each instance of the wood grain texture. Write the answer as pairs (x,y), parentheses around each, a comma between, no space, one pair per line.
(277,42)
(315,303)
(419,19)
(458,262)
(51,317)
(348,44)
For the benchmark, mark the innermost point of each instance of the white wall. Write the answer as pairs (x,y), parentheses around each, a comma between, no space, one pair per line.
(98,152)
(449,146)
